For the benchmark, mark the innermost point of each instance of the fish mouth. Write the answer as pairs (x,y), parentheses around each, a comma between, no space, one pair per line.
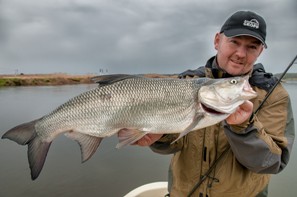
(211,110)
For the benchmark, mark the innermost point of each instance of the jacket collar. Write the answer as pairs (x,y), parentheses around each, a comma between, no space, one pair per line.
(212,70)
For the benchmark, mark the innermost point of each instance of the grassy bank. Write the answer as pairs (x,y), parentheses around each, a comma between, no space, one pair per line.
(288,76)
(43,79)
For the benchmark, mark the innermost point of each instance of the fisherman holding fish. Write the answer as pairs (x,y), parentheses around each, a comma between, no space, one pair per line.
(222,144)
(237,156)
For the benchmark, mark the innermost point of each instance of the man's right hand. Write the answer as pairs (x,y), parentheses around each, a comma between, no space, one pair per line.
(148,139)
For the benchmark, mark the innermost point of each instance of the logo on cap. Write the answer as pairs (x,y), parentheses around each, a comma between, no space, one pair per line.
(252,23)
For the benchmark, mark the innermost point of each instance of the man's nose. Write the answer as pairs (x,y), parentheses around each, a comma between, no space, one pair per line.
(241,51)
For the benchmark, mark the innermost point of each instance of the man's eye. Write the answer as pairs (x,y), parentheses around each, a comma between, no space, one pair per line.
(253,47)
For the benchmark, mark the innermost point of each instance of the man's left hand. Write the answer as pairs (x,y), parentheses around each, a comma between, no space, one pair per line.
(242,113)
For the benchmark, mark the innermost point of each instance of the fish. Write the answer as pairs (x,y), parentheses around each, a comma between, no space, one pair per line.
(134,105)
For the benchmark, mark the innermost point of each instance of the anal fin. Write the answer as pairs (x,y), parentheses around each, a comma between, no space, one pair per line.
(88,144)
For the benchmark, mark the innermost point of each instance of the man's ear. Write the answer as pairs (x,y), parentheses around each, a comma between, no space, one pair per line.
(217,40)
(261,50)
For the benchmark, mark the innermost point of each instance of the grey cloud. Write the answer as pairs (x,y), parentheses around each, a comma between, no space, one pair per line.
(127,36)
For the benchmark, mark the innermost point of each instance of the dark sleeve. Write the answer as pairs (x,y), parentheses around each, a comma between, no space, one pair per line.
(264,145)
(165,145)
(199,72)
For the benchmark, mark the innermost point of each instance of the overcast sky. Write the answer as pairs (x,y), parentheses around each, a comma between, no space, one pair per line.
(131,36)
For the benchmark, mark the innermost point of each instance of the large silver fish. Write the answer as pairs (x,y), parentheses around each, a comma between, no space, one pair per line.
(135,105)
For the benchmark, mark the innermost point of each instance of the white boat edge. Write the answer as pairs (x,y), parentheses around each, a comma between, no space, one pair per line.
(156,189)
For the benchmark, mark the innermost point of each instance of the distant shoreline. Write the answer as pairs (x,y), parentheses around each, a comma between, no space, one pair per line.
(44,79)
(54,79)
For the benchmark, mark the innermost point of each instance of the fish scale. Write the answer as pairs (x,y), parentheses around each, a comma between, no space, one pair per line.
(132,110)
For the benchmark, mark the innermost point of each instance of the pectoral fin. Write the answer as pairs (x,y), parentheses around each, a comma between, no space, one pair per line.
(129,136)
(88,144)
(193,124)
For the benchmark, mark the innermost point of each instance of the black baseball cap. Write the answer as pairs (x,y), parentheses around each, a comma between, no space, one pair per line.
(245,23)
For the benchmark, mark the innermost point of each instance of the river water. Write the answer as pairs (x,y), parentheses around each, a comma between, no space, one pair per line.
(110,172)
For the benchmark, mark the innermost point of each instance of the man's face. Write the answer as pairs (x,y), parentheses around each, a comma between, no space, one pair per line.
(237,55)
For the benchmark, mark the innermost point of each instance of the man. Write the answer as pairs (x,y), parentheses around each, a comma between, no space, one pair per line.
(235,157)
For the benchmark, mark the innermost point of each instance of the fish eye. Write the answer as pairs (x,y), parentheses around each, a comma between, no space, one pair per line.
(233,81)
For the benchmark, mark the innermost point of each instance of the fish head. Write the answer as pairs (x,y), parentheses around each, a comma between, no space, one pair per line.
(225,95)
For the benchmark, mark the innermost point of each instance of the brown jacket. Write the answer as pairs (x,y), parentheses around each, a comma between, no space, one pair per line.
(258,148)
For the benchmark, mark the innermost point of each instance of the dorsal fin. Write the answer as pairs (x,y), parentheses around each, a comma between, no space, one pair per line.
(110,79)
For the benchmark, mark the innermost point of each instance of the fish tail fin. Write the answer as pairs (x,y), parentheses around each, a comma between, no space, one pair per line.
(37,152)
(21,134)
(88,144)
(25,134)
